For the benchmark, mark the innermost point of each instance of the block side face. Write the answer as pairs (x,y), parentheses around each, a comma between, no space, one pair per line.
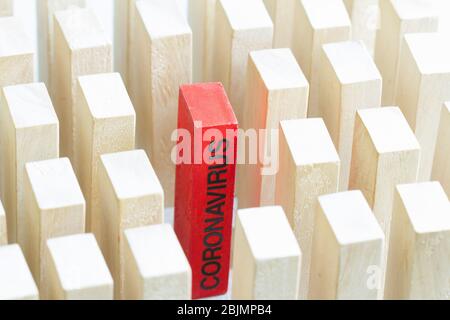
(441,169)
(168,287)
(3,230)
(17,70)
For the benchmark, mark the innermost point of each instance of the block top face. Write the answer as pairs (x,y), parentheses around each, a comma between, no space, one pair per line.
(447,107)
(388,129)
(325,14)
(427,206)
(246,15)
(279,69)
(309,141)
(268,233)
(81,28)
(163,18)
(30,105)
(414,9)
(13,39)
(208,103)
(157,251)
(16,281)
(131,174)
(54,184)
(106,95)
(350,217)
(79,262)
(351,61)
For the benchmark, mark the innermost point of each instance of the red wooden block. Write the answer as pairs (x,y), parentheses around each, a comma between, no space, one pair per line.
(205,183)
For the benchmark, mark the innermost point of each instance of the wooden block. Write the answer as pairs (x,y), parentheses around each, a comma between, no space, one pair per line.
(348,246)
(54,207)
(16,53)
(6,8)
(317,22)
(80,48)
(3,227)
(267,258)
(424,86)
(309,167)
(160,61)
(419,262)
(77,269)
(350,81)
(441,167)
(28,132)
(282,14)
(205,183)
(155,265)
(276,90)
(106,123)
(399,17)
(130,197)
(241,27)
(16,281)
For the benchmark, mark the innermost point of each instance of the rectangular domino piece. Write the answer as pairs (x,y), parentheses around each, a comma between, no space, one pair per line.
(282,14)
(130,197)
(54,207)
(267,258)
(16,281)
(156,267)
(205,182)
(419,260)
(423,87)
(350,81)
(441,167)
(309,167)
(3,228)
(347,249)
(77,270)
(276,90)
(317,22)
(6,8)
(28,132)
(80,48)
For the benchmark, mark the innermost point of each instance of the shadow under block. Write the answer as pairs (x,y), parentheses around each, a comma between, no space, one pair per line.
(55,207)
(77,270)
(160,62)
(441,167)
(130,197)
(6,8)
(3,228)
(424,86)
(349,80)
(399,17)
(16,53)
(80,48)
(16,281)
(241,27)
(317,22)
(28,132)
(105,123)
(267,258)
(276,90)
(419,260)
(309,168)
(282,14)
(347,250)
(156,267)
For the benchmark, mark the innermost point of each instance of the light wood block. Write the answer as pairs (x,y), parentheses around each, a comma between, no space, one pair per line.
(6,8)
(106,123)
(419,260)
(160,62)
(399,17)
(267,258)
(130,197)
(3,227)
(441,167)
(241,27)
(276,90)
(348,246)
(309,168)
(424,86)
(80,48)
(282,14)
(16,281)
(349,81)
(54,207)
(16,53)
(28,132)
(155,265)
(317,22)
(77,269)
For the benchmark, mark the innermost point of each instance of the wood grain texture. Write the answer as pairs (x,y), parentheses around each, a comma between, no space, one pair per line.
(3,227)
(6,8)
(441,167)
(282,14)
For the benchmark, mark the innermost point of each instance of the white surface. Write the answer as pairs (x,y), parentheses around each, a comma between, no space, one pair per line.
(326,13)
(238,14)
(14,39)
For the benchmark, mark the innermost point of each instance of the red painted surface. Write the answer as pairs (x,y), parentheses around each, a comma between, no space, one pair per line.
(204,192)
